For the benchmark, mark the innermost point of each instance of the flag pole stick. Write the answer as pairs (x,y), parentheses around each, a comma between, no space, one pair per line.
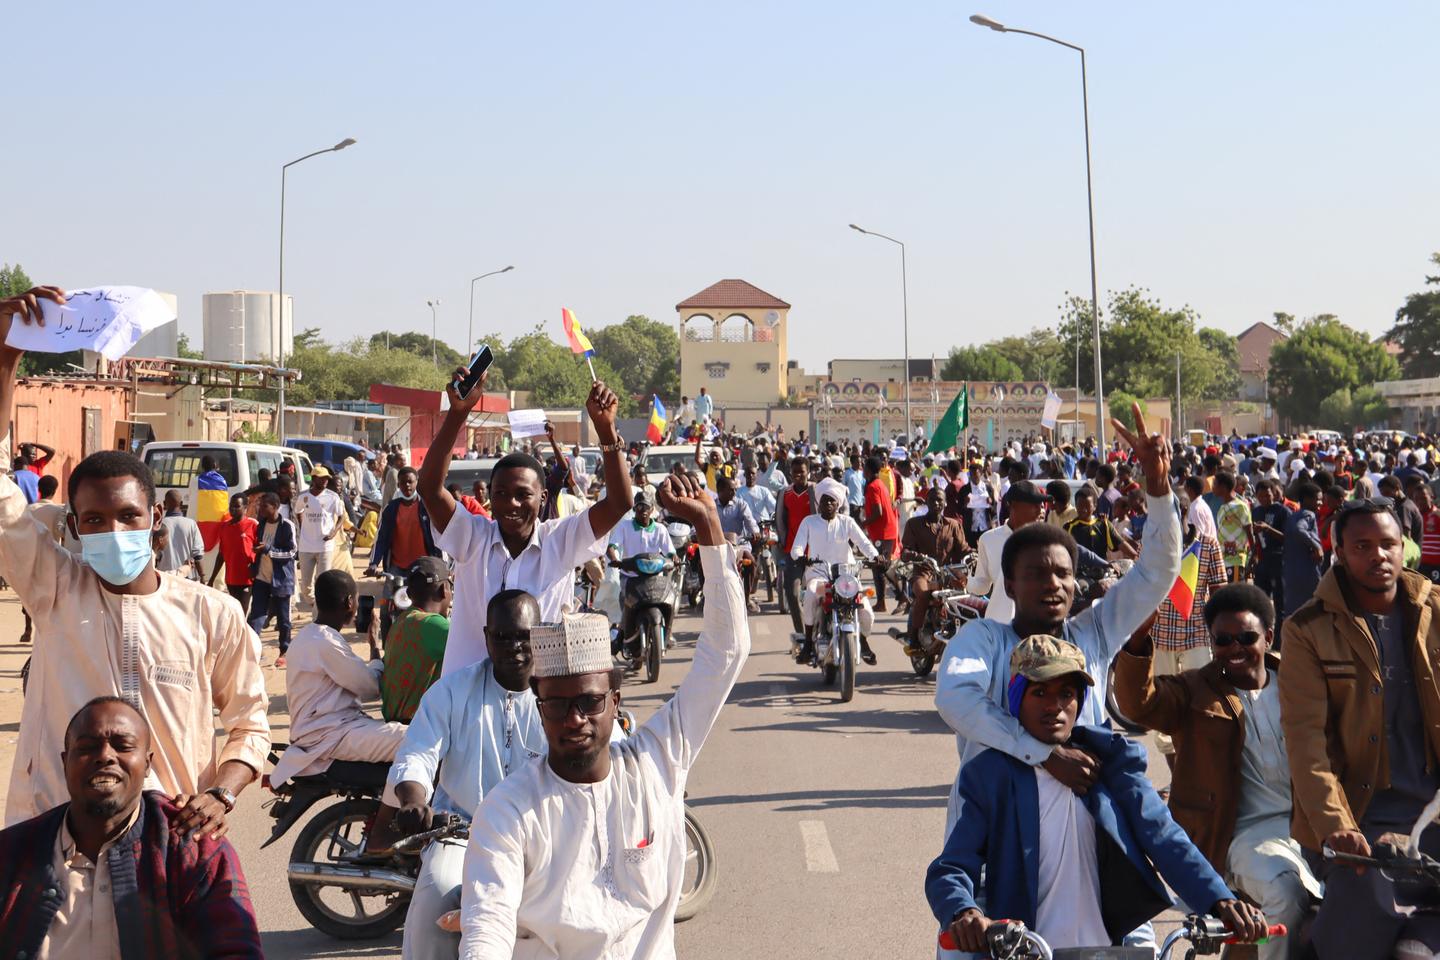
(591,364)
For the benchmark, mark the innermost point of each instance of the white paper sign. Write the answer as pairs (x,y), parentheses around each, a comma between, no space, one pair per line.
(108,320)
(527,423)
(1052,410)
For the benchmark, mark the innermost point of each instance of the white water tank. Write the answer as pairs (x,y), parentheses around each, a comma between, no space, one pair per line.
(246,326)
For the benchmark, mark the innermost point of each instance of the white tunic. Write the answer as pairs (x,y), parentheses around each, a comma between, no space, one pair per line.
(831,540)
(589,870)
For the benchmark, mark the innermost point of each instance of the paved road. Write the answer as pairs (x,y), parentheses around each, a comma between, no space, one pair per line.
(824,815)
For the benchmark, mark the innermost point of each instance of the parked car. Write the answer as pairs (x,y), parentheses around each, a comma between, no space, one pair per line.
(176,463)
(332,452)
(466,472)
(661,460)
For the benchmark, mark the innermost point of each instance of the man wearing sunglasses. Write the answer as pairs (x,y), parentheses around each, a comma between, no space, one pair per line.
(1231,784)
(581,854)
(1360,707)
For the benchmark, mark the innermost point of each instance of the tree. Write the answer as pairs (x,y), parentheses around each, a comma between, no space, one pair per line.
(347,371)
(555,376)
(1224,355)
(1417,329)
(1335,411)
(647,351)
(420,344)
(1322,356)
(184,351)
(1120,404)
(1369,408)
(979,363)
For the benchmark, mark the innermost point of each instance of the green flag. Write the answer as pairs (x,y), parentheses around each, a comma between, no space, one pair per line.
(955,421)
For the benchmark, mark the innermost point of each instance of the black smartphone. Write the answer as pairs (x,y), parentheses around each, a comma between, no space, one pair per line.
(478,365)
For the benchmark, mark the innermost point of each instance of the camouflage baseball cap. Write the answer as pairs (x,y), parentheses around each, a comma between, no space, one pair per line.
(1041,657)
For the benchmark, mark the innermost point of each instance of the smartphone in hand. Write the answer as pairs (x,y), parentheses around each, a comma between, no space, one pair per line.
(478,365)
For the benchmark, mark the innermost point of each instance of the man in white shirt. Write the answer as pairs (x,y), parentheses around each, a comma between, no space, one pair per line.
(581,854)
(473,728)
(318,514)
(827,537)
(514,550)
(1026,502)
(704,406)
(326,685)
(758,497)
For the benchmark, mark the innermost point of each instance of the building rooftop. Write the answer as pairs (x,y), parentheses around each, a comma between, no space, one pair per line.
(1254,345)
(732,293)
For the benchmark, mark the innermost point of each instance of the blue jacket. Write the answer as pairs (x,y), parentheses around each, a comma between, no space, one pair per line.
(282,558)
(999,829)
(380,553)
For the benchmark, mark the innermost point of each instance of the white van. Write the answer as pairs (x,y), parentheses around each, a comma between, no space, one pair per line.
(176,463)
(660,460)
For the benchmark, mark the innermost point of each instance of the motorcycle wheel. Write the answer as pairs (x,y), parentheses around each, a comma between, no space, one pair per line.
(652,641)
(848,649)
(386,619)
(828,671)
(769,582)
(701,870)
(922,664)
(335,833)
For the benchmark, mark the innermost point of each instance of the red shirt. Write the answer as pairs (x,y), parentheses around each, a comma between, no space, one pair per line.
(37,466)
(797,508)
(237,549)
(887,527)
(408,542)
(1430,540)
(473,505)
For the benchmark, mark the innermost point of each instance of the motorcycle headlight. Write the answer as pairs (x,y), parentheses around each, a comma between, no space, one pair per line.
(847,586)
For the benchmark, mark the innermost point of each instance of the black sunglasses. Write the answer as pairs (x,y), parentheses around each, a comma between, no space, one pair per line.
(1247,639)
(560,708)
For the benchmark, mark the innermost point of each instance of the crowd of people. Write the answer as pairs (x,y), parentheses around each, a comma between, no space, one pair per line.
(1274,624)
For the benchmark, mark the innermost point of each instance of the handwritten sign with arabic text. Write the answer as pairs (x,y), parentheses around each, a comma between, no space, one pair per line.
(108,320)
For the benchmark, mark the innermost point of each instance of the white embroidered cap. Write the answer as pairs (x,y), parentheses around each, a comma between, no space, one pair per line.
(580,643)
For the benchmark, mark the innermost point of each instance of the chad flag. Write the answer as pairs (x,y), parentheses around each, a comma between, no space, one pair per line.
(579,343)
(1182,595)
(212,506)
(655,432)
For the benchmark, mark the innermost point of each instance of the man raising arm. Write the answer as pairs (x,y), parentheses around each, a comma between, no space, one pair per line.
(515,550)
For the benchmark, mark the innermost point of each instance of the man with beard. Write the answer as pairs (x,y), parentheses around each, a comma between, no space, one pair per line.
(112,873)
(473,728)
(581,854)
(517,550)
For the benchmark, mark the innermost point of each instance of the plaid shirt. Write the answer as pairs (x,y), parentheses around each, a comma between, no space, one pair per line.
(174,898)
(1173,632)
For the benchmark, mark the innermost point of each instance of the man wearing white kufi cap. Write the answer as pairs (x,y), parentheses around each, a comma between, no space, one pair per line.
(828,536)
(581,854)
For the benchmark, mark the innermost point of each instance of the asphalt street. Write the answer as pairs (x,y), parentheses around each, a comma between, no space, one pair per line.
(824,815)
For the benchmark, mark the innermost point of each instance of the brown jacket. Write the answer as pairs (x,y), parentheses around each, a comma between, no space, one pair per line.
(1333,705)
(1202,711)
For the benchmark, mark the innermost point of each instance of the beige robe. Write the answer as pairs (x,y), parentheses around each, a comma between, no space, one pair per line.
(173,654)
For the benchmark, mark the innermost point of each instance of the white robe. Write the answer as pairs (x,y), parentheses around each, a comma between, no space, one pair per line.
(557,869)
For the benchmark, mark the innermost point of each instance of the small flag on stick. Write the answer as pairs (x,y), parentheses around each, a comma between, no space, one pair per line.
(1182,594)
(579,343)
(656,431)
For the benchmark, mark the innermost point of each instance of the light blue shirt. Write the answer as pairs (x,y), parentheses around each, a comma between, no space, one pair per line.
(970,691)
(855,487)
(760,499)
(704,405)
(775,478)
(478,728)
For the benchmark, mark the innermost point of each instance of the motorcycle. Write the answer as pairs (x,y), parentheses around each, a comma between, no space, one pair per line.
(837,634)
(648,600)
(951,607)
(353,895)
(1012,940)
(687,570)
(764,549)
(393,602)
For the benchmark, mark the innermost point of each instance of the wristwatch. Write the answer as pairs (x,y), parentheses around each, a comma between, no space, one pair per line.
(226,798)
(615,447)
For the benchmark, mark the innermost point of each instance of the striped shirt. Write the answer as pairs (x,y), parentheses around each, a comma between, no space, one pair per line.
(1173,632)
(1430,541)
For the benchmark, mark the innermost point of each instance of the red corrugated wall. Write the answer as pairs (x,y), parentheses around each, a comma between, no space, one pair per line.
(57,414)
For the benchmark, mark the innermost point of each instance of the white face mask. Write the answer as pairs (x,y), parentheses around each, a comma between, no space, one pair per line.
(406,496)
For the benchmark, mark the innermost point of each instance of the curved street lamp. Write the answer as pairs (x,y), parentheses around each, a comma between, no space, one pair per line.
(470,330)
(905,313)
(984,21)
(280,358)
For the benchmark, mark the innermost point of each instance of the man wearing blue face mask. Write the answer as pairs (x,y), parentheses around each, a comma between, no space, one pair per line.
(115,626)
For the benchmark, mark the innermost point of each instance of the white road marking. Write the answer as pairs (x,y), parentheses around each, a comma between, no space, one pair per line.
(819,857)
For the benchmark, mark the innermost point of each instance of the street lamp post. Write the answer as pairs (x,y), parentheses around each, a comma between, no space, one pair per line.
(905,312)
(1090,203)
(280,358)
(470,330)
(434,351)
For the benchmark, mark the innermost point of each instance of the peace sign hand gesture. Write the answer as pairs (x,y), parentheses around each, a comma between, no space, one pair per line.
(1150,449)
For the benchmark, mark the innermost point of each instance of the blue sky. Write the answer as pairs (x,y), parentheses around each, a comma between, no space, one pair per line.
(1248,158)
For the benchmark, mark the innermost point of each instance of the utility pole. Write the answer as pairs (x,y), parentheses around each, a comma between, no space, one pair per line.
(1179,420)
